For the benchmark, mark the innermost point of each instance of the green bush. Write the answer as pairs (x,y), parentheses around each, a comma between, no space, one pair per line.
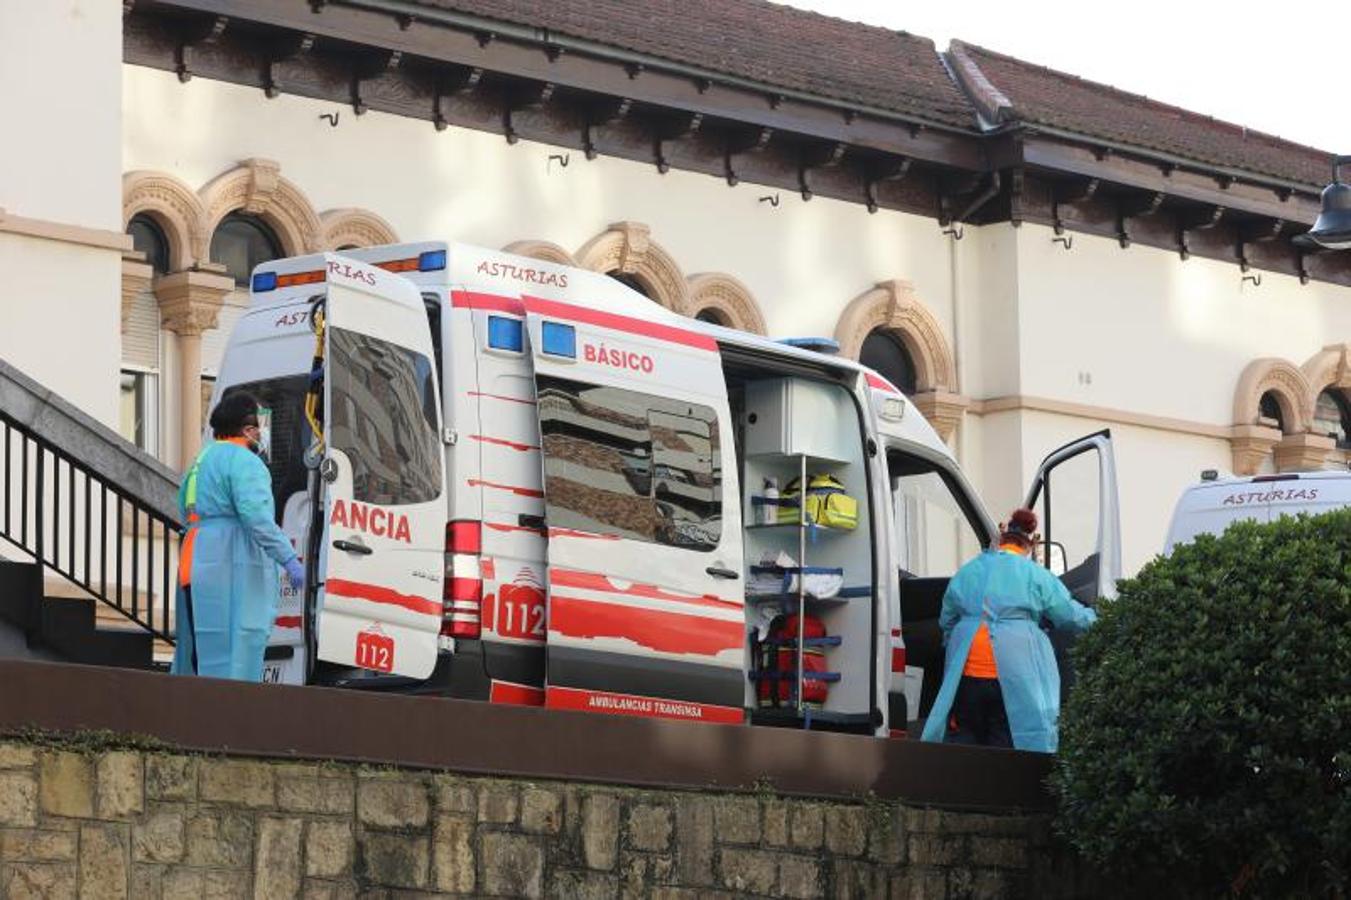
(1206,749)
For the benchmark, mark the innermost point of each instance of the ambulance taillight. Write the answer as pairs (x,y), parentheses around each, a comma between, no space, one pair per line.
(462,596)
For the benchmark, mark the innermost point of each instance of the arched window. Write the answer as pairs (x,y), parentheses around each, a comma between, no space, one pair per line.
(1332,416)
(148,237)
(884,353)
(631,281)
(241,242)
(1269,407)
(713,317)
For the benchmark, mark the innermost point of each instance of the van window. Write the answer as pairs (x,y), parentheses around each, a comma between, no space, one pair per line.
(289,434)
(630,464)
(934,531)
(384,418)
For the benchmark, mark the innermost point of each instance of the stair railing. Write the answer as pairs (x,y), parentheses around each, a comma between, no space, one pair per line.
(85,527)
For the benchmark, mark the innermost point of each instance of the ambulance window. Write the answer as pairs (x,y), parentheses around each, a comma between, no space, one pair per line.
(934,528)
(630,464)
(433,305)
(384,419)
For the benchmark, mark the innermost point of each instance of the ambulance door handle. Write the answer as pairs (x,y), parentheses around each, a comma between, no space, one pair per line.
(353,547)
(720,572)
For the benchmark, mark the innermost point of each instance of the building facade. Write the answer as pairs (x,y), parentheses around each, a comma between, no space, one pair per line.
(1031,257)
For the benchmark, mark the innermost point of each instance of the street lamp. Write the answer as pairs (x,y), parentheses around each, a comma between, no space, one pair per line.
(1332,231)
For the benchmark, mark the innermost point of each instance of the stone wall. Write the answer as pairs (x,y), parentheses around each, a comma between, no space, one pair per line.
(151,825)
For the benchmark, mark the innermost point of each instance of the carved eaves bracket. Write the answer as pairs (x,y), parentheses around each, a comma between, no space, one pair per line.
(1133,207)
(1202,219)
(1257,232)
(601,113)
(282,50)
(205,30)
(1068,194)
(752,141)
(893,168)
(522,97)
(370,65)
(672,129)
(817,156)
(459,81)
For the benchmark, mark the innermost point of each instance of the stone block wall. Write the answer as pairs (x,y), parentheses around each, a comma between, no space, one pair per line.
(151,825)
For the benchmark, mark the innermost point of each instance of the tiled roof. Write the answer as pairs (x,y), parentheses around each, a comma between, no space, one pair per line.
(764,42)
(1038,95)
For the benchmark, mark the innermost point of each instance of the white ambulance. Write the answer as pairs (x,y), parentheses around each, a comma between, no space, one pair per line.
(527,483)
(1213,504)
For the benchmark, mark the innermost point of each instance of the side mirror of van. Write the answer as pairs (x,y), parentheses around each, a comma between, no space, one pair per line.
(1057,566)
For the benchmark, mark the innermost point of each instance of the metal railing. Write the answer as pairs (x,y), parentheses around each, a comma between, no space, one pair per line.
(80,524)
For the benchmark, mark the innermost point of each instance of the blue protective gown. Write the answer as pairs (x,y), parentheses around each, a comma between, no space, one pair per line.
(235,566)
(1012,594)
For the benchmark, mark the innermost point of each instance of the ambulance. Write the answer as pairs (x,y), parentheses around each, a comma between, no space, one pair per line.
(522,482)
(1213,504)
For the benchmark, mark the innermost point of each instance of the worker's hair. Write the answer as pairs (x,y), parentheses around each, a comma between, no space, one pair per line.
(1022,525)
(233,413)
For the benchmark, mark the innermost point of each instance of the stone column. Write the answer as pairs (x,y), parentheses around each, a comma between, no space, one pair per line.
(190,302)
(1303,452)
(136,275)
(1250,445)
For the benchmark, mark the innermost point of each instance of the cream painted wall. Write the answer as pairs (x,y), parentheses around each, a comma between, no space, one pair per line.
(60,157)
(62,316)
(1180,332)
(802,260)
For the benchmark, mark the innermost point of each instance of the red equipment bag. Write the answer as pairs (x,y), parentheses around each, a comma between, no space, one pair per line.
(776,674)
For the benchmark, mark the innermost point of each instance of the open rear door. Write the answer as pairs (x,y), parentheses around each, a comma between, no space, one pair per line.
(645,613)
(383,473)
(1075,494)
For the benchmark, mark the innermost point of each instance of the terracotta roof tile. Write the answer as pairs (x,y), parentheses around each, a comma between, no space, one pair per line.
(1045,96)
(764,42)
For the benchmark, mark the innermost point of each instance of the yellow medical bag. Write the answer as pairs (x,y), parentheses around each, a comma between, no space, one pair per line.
(827,503)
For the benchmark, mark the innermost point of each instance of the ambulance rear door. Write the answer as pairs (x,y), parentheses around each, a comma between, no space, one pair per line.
(644,571)
(383,473)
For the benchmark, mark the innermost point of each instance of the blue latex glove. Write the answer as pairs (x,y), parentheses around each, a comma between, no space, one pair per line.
(295,572)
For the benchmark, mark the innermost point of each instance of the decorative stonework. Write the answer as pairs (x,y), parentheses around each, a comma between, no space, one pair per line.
(1285,381)
(627,248)
(190,301)
(1328,368)
(136,277)
(174,207)
(728,298)
(1250,446)
(893,306)
(355,228)
(256,187)
(942,409)
(544,251)
(1304,452)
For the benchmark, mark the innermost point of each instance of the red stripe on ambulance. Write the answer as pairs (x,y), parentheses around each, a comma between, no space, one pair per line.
(521,491)
(634,705)
(491,302)
(374,593)
(665,632)
(555,310)
(519,694)
(503,442)
(877,382)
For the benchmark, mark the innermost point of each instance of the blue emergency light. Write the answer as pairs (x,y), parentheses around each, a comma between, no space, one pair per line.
(264,281)
(557,339)
(816,344)
(431,261)
(505,334)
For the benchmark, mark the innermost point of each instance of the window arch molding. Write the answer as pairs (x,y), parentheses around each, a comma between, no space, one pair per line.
(731,300)
(257,188)
(351,227)
(544,251)
(173,206)
(628,248)
(1286,381)
(893,307)
(1328,368)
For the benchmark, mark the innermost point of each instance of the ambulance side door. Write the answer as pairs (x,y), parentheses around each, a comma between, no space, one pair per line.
(383,470)
(644,571)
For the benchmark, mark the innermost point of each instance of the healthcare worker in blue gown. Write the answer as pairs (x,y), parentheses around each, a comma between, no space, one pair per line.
(229,575)
(1001,687)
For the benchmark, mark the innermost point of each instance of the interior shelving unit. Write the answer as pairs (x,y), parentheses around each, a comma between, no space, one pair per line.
(797,428)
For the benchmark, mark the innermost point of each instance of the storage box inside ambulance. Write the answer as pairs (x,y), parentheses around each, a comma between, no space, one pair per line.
(642,508)
(380,552)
